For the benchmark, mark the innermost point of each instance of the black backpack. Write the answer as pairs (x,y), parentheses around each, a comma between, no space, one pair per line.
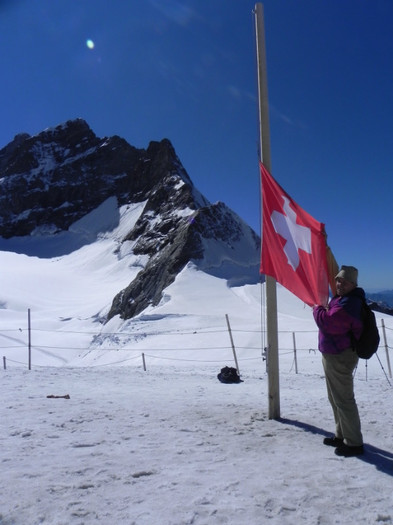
(229,374)
(368,343)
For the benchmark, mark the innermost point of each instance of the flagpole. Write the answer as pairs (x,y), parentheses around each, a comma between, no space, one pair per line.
(271,292)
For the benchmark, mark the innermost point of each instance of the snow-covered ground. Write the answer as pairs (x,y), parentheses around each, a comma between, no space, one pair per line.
(171,445)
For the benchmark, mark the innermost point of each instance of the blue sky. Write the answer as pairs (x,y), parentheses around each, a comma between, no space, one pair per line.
(186,71)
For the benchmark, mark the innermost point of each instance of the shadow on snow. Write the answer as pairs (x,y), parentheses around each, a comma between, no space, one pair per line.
(381,459)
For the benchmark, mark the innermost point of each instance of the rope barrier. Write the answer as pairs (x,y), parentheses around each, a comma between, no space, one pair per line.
(283,350)
(136,336)
(144,333)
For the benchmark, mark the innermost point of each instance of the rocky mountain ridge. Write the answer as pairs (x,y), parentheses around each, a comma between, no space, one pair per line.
(59,175)
(52,180)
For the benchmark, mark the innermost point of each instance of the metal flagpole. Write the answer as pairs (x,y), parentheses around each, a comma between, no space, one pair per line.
(271,293)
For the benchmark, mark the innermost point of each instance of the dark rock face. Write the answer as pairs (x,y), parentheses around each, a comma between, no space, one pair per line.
(179,242)
(58,176)
(55,178)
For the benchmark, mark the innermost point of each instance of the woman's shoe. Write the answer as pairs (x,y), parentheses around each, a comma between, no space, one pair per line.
(333,441)
(346,451)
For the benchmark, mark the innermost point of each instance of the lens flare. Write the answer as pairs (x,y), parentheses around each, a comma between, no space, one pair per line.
(90,43)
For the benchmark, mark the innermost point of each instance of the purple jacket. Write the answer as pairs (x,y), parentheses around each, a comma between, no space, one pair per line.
(335,323)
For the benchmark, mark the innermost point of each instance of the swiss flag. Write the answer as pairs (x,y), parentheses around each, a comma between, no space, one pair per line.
(294,250)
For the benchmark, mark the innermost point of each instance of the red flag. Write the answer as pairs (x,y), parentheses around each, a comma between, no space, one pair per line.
(293,245)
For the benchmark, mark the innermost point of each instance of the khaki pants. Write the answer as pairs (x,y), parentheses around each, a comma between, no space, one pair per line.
(339,381)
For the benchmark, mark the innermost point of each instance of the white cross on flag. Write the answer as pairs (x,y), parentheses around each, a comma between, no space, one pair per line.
(294,250)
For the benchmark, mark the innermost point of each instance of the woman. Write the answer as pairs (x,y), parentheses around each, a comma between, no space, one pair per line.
(336,323)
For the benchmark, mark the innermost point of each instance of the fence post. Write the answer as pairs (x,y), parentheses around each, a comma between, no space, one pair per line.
(29,332)
(4,363)
(232,343)
(294,350)
(386,347)
(144,362)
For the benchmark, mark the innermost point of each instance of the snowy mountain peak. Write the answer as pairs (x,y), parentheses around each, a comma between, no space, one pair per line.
(63,188)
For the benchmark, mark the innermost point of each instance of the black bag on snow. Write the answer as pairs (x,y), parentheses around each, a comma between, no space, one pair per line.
(368,343)
(229,374)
